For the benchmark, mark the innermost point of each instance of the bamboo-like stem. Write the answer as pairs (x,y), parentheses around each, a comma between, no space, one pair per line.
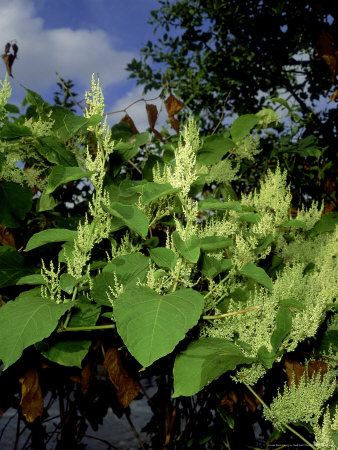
(233,313)
(91,328)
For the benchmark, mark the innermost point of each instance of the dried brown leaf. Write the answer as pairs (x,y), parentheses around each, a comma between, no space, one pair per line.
(9,59)
(326,52)
(175,124)
(7,47)
(250,401)
(129,121)
(127,388)
(230,399)
(15,49)
(173,105)
(84,379)
(6,237)
(158,135)
(334,96)
(152,114)
(295,370)
(31,395)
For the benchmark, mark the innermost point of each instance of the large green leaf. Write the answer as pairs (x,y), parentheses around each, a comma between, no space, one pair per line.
(151,325)
(68,282)
(12,109)
(15,202)
(250,270)
(250,217)
(129,268)
(61,175)
(211,267)
(126,270)
(11,266)
(67,351)
(34,99)
(134,218)
(74,123)
(203,361)
(163,257)
(151,191)
(215,243)
(50,235)
(33,279)
(242,126)
(13,131)
(213,149)
(26,321)
(101,287)
(51,148)
(325,224)
(45,202)
(189,249)
(213,204)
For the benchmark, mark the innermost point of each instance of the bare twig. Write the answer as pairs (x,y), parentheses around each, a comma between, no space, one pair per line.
(70,94)
(132,104)
(135,432)
(222,115)
(100,440)
(135,167)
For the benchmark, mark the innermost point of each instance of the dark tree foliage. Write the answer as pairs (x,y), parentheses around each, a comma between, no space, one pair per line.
(65,97)
(225,57)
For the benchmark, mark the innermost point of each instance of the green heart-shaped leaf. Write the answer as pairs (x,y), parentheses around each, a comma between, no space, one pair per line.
(151,325)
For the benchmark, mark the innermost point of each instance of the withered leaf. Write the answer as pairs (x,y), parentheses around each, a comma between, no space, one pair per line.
(127,388)
(7,47)
(326,52)
(295,370)
(6,237)
(84,379)
(175,124)
(230,399)
(173,105)
(152,114)
(31,395)
(15,49)
(250,401)
(334,96)
(236,396)
(9,59)
(158,135)
(129,121)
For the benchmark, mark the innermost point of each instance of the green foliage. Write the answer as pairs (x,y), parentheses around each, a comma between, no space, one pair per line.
(204,361)
(179,268)
(15,202)
(151,325)
(26,321)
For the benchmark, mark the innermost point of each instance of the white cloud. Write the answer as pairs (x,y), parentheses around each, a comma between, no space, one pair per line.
(138,111)
(74,54)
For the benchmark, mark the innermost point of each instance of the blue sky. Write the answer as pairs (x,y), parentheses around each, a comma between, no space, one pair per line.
(77,38)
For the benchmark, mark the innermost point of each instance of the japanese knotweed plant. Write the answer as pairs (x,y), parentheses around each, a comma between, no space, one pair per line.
(165,254)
